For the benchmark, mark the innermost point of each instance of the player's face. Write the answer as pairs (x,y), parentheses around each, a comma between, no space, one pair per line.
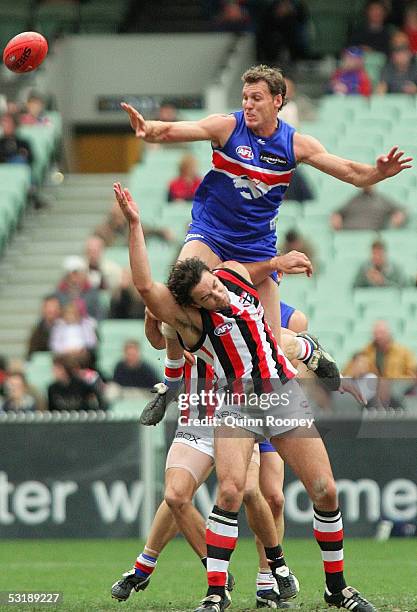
(260,107)
(210,293)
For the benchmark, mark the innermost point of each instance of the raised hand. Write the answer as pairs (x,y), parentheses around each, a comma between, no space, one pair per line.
(128,207)
(393,163)
(293,262)
(137,122)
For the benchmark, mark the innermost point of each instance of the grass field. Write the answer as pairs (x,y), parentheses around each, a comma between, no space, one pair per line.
(84,571)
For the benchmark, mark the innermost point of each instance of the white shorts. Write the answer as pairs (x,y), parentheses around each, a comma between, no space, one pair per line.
(197,463)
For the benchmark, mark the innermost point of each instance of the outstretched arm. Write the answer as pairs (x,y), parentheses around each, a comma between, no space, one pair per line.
(293,262)
(156,296)
(310,151)
(216,128)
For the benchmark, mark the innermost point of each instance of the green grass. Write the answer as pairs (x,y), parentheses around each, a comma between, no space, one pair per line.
(84,571)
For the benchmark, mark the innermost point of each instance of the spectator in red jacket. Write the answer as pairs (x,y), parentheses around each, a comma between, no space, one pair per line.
(185,185)
(351,76)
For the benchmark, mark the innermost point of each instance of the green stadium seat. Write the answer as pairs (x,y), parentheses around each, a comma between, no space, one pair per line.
(341,108)
(360,135)
(402,103)
(367,320)
(357,152)
(357,241)
(409,301)
(177,218)
(330,319)
(380,299)
(130,406)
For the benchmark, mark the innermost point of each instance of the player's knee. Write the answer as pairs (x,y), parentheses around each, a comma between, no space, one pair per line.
(276,502)
(298,321)
(176,498)
(230,493)
(324,493)
(251,493)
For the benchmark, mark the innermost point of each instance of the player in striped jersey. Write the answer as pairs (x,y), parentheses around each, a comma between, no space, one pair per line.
(186,469)
(220,311)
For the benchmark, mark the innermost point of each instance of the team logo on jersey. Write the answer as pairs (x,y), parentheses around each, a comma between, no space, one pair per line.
(223,329)
(244,152)
(251,188)
(246,299)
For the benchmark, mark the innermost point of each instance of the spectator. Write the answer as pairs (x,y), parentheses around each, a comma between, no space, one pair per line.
(184,186)
(368,210)
(40,334)
(351,76)
(167,112)
(102,273)
(126,302)
(132,371)
(385,356)
(3,373)
(69,391)
(13,150)
(410,26)
(18,398)
(378,271)
(282,32)
(233,17)
(374,34)
(76,286)
(295,241)
(74,333)
(400,74)
(114,229)
(34,113)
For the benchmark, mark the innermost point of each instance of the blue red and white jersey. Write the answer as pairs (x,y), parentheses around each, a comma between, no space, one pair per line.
(239,340)
(242,193)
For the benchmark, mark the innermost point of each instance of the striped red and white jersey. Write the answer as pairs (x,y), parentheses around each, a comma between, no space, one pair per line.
(199,381)
(239,340)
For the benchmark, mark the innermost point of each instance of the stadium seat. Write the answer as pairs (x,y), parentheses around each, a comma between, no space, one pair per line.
(402,103)
(177,218)
(374,62)
(118,254)
(341,108)
(409,301)
(380,299)
(353,241)
(325,318)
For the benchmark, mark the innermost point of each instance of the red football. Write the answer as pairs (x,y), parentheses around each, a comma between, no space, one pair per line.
(25,52)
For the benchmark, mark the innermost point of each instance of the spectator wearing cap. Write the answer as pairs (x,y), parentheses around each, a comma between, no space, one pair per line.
(76,286)
(351,77)
(400,74)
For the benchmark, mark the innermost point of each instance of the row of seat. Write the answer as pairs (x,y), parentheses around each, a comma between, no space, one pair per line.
(65,17)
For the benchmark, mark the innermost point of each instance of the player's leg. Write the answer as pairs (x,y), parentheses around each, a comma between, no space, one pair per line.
(262,523)
(163,530)
(222,524)
(186,469)
(307,457)
(269,295)
(271,481)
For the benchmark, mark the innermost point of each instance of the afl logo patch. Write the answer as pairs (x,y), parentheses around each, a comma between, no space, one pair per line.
(244,152)
(223,329)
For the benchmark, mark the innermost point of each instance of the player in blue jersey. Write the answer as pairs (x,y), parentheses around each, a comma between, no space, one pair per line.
(254,156)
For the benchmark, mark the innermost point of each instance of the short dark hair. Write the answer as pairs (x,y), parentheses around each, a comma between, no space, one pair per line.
(273,77)
(184,276)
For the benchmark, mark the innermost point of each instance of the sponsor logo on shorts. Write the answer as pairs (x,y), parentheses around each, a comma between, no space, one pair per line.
(244,152)
(223,329)
(187,436)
